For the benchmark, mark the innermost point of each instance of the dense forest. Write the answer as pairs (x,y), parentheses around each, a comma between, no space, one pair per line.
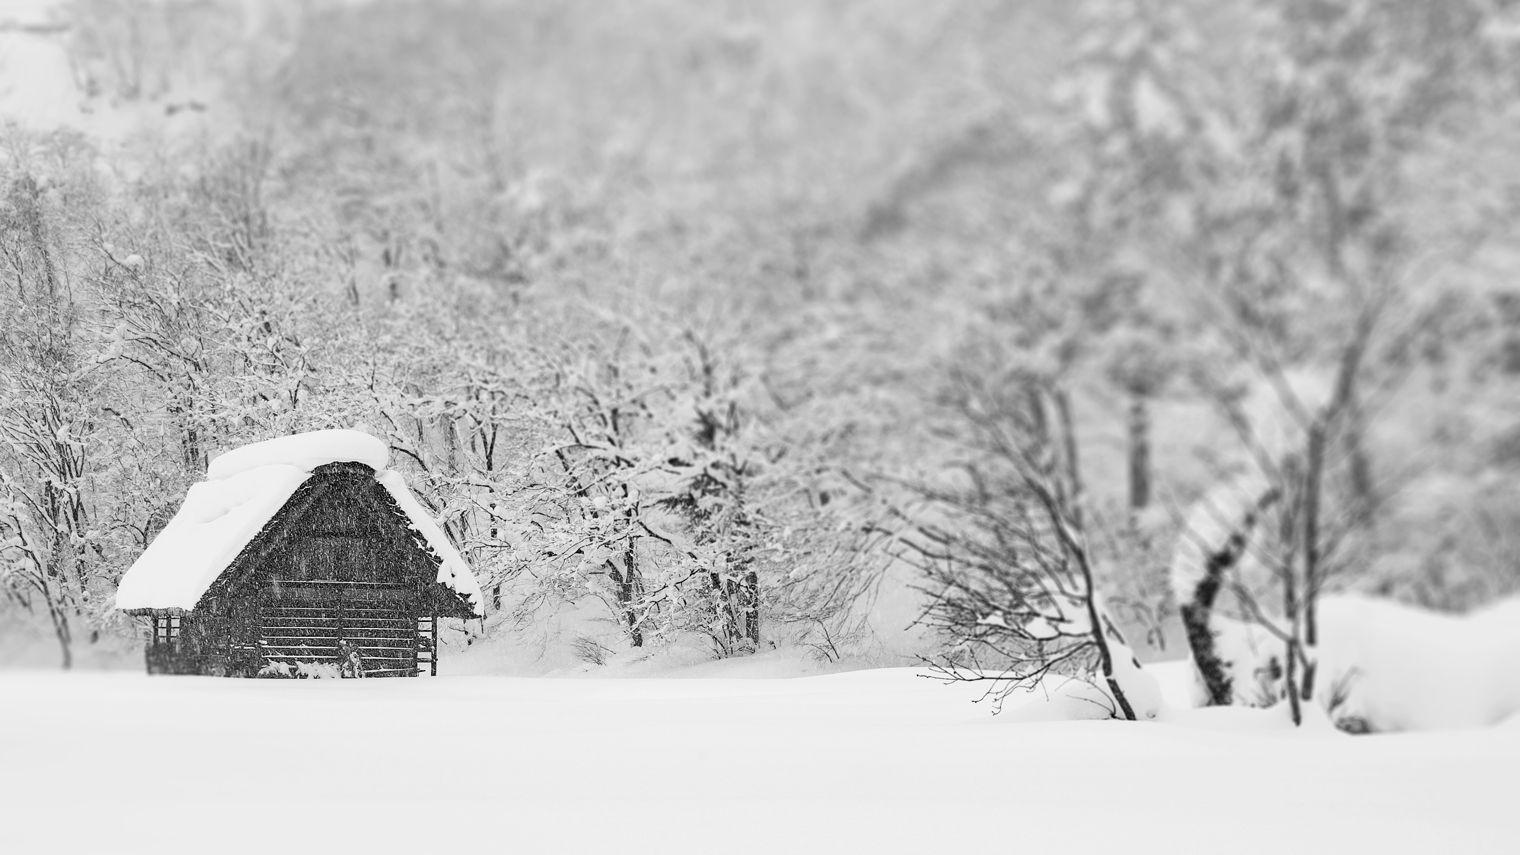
(714,328)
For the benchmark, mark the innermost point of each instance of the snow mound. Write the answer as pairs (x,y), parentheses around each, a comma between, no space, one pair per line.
(243,491)
(1058,698)
(1393,666)
(1406,668)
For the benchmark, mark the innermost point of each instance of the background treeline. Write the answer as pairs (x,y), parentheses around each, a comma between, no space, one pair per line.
(708,324)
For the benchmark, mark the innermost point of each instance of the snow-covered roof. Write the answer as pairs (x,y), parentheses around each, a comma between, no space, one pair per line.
(243,490)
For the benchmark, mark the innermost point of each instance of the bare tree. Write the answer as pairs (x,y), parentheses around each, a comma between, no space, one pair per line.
(1009,565)
(1285,522)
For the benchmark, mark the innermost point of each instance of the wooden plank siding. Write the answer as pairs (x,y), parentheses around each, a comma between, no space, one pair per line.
(305,621)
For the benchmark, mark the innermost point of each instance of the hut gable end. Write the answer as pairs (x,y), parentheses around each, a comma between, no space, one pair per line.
(341,525)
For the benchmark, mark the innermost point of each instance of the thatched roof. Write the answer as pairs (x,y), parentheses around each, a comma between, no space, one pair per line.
(244,490)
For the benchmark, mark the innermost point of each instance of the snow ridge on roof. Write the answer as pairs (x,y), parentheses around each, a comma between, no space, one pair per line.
(243,490)
(305,450)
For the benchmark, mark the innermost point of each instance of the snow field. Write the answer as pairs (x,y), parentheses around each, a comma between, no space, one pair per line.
(868,761)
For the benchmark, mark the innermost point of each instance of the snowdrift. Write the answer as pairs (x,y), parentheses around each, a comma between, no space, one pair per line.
(871,761)
(1393,666)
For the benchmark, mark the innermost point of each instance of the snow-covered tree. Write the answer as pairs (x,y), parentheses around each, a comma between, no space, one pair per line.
(1310,262)
(54,415)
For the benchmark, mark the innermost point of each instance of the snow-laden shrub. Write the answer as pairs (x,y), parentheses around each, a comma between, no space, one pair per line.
(276,668)
(318,670)
(591,651)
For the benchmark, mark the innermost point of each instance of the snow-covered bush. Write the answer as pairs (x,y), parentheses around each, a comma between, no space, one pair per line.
(318,670)
(277,668)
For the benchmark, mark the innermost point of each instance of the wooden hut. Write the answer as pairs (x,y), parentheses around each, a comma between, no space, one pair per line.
(300,556)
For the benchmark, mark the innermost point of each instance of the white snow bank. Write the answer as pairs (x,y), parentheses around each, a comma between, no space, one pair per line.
(1397,667)
(1406,668)
(244,489)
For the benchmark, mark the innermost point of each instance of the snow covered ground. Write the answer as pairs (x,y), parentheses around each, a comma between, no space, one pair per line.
(867,761)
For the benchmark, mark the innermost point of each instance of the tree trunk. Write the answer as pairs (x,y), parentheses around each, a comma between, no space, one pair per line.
(750,602)
(1096,620)
(1196,621)
(1290,603)
(1069,453)
(1313,484)
(1359,462)
(1105,654)
(630,591)
(1197,613)
(725,616)
(450,442)
(1139,453)
(63,634)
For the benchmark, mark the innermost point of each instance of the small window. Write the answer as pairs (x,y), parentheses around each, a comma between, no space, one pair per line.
(166,629)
